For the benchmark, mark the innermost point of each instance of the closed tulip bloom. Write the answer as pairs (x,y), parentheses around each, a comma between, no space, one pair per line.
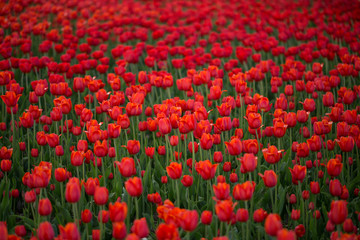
(164,126)
(273,224)
(206,169)
(174,140)
(242,215)
(309,105)
(244,191)
(27,120)
(30,196)
(103,216)
(259,215)
(140,228)
(279,128)
(346,144)
(101,148)
(118,211)
(86,216)
(150,151)
(76,158)
(269,178)
(290,119)
(20,231)
(119,230)
(45,231)
(298,173)
(285,234)
(90,185)
(302,116)
(114,130)
(133,147)
(73,190)
(224,210)
(254,120)
(314,187)
(218,157)
(295,214)
(5,165)
(187,124)
(206,141)
(189,220)
(70,231)
(206,217)
(167,231)
(328,99)
(127,167)
(174,170)
(334,167)
(134,186)
(45,207)
(248,163)
(101,195)
(187,180)
(335,188)
(338,211)
(234,147)
(222,191)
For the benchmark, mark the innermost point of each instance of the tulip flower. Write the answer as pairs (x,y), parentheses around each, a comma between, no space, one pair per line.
(269,178)
(338,211)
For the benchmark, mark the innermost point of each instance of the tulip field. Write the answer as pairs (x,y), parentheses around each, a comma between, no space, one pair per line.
(212,119)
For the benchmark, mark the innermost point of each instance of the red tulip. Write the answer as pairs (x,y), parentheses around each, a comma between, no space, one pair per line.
(70,231)
(271,154)
(133,147)
(164,126)
(134,186)
(269,178)
(206,217)
(273,224)
(259,215)
(101,195)
(298,173)
(118,211)
(242,215)
(174,170)
(254,120)
(206,141)
(127,167)
(45,231)
(189,220)
(73,190)
(248,163)
(285,234)
(86,216)
(119,230)
(224,210)
(5,165)
(314,187)
(206,169)
(167,231)
(222,191)
(338,211)
(140,228)
(244,191)
(10,98)
(334,167)
(45,207)
(234,147)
